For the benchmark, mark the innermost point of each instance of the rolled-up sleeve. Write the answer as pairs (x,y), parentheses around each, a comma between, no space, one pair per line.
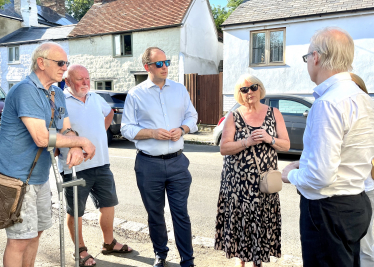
(190,116)
(129,124)
(320,166)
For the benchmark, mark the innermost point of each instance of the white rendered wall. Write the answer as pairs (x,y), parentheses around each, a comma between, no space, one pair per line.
(96,55)
(15,72)
(199,42)
(293,77)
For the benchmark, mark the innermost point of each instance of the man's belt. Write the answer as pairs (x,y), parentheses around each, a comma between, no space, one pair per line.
(167,156)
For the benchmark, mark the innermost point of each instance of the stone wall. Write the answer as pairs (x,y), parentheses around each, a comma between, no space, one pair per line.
(96,54)
(8,26)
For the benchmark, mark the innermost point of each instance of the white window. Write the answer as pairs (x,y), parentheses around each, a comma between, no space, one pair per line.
(104,85)
(13,54)
(11,84)
(268,47)
(122,45)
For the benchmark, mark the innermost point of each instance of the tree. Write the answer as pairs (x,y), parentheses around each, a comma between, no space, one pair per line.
(3,2)
(78,8)
(220,14)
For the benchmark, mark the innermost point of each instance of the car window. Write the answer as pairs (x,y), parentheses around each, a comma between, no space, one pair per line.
(119,98)
(289,107)
(106,97)
(2,94)
(262,101)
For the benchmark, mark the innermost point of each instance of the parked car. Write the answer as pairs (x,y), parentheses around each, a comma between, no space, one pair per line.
(294,109)
(116,100)
(2,100)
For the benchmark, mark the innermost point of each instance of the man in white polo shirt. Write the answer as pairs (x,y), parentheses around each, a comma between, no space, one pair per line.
(90,115)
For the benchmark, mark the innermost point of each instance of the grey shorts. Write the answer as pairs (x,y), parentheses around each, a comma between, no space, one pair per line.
(36,213)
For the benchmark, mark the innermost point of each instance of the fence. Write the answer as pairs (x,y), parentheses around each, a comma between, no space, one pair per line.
(206,96)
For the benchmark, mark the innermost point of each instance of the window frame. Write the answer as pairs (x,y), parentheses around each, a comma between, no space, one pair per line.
(267,48)
(13,84)
(14,54)
(104,81)
(122,44)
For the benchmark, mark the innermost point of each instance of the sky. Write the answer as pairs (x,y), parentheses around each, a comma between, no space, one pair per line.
(218,2)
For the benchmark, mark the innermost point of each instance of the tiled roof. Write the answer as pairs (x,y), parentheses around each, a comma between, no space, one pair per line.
(36,34)
(264,10)
(131,15)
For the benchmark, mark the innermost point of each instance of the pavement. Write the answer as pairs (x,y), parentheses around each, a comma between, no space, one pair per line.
(134,234)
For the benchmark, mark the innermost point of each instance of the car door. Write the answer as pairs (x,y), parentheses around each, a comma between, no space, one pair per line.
(294,114)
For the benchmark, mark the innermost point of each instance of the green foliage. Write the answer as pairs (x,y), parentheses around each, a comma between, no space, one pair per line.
(220,14)
(78,8)
(3,2)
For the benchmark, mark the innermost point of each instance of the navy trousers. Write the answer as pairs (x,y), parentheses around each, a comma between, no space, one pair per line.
(155,177)
(331,229)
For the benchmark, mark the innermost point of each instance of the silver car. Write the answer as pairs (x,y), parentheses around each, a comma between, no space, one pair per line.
(294,109)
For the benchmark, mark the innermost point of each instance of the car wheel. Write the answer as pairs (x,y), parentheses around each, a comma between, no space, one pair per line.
(110,136)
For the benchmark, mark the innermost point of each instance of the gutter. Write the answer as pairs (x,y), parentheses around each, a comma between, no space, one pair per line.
(10,17)
(298,17)
(32,42)
(129,31)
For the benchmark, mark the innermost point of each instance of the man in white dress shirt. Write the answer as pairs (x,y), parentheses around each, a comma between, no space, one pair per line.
(338,148)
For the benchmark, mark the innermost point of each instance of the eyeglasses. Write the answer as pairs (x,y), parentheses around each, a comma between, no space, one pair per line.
(159,64)
(60,63)
(253,88)
(305,57)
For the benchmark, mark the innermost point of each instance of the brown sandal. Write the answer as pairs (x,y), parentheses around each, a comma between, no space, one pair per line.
(82,261)
(109,248)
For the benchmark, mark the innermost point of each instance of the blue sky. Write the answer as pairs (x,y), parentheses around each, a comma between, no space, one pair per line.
(218,2)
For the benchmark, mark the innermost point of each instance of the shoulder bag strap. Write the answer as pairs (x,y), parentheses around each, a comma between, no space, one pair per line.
(40,150)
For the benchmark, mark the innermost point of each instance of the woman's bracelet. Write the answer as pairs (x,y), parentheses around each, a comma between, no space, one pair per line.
(241,141)
(245,143)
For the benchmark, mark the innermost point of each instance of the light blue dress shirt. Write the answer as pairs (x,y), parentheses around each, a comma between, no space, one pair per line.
(149,107)
(338,141)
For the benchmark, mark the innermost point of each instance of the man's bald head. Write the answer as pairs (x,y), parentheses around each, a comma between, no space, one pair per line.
(78,81)
(335,49)
(43,51)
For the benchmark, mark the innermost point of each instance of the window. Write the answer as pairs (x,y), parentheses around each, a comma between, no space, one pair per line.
(122,45)
(267,47)
(139,78)
(104,85)
(11,84)
(13,54)
(289,107)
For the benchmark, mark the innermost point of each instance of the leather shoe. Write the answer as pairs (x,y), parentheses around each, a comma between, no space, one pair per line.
(159,262)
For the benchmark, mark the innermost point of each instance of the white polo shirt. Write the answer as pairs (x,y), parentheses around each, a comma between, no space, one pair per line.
(87,118)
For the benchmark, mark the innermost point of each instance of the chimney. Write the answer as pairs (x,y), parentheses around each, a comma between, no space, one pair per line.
(28,11)
(56,5)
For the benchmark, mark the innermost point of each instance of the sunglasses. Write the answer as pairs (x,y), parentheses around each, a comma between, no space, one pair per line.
(159,64)
(253,88)
(60,63)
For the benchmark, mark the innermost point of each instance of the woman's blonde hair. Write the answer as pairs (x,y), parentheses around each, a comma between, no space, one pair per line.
(360,83)
(335,48)
(251,79)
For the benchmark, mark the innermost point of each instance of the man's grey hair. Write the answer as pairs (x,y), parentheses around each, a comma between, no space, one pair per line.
(251,79)
(335,48)
(146,58)
(41,51)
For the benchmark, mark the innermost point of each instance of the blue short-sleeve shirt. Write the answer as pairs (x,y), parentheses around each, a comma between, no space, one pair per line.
(28,98)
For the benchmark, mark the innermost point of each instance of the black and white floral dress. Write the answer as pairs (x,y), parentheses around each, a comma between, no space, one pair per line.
(248,224)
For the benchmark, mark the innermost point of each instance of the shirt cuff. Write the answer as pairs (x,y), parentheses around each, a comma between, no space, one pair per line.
(130,132)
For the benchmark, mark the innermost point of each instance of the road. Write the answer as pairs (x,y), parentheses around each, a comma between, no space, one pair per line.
(205,167)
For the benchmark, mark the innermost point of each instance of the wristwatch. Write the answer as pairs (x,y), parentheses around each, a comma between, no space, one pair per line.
(183,132)
(272,141)
(70,130)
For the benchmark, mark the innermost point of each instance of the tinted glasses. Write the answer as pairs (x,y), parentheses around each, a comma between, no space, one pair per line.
(159,64)
(305,57)
(253,88)
(60,63)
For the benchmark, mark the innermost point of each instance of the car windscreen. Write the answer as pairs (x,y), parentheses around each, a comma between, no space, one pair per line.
(2,94)
(119,98)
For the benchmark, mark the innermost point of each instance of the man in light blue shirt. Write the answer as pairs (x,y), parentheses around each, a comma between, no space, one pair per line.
(335,211)
(91,116)
(157,113)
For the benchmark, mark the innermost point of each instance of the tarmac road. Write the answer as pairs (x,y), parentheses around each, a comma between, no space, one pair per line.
(131,219)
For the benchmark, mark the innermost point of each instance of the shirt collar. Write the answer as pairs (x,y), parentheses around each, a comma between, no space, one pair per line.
(150,84)
(323,87)
(68,94)
(34,78)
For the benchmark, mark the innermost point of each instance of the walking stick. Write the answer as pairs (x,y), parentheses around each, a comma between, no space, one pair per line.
(60,189)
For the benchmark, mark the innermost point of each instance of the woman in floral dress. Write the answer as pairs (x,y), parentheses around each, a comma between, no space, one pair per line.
(248,224)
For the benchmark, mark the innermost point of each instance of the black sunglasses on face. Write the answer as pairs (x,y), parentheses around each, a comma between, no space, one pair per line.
(159,64)
(253,88)
(60,63)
